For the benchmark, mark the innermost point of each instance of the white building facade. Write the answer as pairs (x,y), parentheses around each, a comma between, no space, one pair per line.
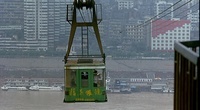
(35,23)
(166,32)
(125,4)
(45,23)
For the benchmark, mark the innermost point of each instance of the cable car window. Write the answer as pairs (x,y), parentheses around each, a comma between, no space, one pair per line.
(73,78)
(84,79)
(84,75)
(70,79)
(98,78)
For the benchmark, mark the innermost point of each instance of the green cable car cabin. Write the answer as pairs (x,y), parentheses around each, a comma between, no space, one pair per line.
(85,74)
(85,82)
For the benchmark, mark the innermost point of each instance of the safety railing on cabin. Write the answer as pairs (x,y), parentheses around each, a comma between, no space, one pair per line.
(186,70)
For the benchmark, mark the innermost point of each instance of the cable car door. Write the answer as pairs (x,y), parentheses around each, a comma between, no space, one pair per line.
(85,85)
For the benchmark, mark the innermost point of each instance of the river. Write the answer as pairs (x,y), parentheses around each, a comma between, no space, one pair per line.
(43,100)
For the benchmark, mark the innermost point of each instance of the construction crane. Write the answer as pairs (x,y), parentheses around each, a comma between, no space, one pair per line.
(84,73)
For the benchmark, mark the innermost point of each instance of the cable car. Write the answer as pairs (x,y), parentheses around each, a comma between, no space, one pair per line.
(85,81)
(85,74)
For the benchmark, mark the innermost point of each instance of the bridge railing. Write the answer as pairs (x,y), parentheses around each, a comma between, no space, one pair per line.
(186,70)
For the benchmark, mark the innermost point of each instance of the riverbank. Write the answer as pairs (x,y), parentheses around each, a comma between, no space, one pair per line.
(56,63)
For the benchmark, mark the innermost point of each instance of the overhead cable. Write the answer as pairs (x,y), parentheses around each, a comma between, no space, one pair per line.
(178,15)
(145,24)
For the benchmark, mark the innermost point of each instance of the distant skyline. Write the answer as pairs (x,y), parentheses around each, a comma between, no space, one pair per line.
(41,25)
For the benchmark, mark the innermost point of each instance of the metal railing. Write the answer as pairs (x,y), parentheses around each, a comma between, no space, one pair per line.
(186,70)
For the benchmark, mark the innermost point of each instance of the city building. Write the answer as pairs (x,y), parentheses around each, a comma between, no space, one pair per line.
(116,27)
(192,2)
(27,82)
(125,4)
(11,14)
(58,28)
(11,20)
(166,32)
(162,6)
(45,22)
(9,44)
(33,24)
(194,18)
(133,32)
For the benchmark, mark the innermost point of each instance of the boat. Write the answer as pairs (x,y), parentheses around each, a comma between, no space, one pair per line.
(121,87)
(45,88)
(4,88)
(34,88)
(168,90)
(22,89)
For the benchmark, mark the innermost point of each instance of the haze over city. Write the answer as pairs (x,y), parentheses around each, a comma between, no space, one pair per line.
(138,38)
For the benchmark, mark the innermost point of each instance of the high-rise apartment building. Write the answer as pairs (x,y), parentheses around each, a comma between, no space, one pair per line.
(11,12)
(45,22)
(33,24)
(36,22)
(166,32)
(162,6)
(136,34)
(58,27)
(194,18)
(11,23)
(11,18)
